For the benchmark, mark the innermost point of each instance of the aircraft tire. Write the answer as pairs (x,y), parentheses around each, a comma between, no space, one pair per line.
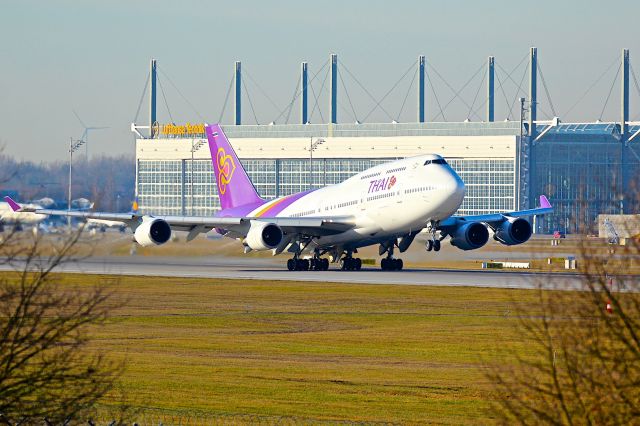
(325,264)
(291,264)
(436,245)
(384,264)
(358,264)
(347,264)
(398,264)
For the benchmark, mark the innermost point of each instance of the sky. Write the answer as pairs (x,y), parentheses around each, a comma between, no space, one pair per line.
(92,57)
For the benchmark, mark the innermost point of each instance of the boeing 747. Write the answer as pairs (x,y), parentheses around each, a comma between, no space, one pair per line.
(386,205)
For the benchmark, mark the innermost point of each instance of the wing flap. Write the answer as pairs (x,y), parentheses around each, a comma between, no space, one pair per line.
(313,226)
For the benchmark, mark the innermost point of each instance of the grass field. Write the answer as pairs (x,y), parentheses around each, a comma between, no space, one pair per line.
(306,351)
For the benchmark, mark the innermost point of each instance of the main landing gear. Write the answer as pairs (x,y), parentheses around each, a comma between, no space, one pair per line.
(316,263)
(390,263)
(349,263)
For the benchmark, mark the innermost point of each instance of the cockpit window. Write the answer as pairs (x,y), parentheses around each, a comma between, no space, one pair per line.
(436,161)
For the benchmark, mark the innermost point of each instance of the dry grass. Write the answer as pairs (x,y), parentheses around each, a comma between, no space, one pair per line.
(308,351)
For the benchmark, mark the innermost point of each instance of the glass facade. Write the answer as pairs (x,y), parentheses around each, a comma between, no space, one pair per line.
(490,184)
(582,178)
(165,186)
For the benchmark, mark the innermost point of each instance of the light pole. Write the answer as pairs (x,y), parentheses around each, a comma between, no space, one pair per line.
(312,147)
(73,147)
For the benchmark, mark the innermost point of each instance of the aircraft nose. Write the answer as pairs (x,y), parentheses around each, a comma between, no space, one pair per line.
(455,188)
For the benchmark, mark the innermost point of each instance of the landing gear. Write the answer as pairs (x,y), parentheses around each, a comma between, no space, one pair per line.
(390,263)
(433,245)
(434,242)
(319,264)
(314,264)
(296,264)
(349,263)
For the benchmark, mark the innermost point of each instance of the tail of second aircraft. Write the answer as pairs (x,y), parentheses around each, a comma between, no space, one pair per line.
(234,185)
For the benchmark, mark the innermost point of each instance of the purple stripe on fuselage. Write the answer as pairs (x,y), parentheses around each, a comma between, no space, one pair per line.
(278,208)
(240,211)
(243,211)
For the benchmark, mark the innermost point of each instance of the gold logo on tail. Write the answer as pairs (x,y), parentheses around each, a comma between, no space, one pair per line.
(226,168)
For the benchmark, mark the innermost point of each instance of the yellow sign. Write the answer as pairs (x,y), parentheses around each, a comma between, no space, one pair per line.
(187,129)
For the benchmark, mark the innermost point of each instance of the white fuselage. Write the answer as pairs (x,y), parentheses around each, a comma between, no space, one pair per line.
(9,217)
(392,199)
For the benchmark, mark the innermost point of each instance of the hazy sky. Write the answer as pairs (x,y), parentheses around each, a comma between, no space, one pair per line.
(93,57)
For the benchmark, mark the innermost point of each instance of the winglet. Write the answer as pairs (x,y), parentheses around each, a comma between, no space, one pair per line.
(544,203)
(14,206)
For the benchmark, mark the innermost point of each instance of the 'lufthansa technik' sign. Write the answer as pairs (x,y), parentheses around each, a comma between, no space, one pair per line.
(187,129)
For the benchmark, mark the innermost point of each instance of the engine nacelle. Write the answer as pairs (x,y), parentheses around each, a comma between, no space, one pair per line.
(513,231)
(470,236)
(263,235)
(152,232)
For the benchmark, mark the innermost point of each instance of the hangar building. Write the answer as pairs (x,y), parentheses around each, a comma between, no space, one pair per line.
(585,169)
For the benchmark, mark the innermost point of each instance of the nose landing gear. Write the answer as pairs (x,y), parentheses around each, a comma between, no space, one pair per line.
(434,242)
(432,245)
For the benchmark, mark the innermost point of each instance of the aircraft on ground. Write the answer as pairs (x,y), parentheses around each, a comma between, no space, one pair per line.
(386,205)
(20,218)
(103,224)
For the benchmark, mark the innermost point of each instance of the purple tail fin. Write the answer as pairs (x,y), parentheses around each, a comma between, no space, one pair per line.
(234,186)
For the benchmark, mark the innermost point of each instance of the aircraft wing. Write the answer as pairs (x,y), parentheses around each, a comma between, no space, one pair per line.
(311,226)
(497,218)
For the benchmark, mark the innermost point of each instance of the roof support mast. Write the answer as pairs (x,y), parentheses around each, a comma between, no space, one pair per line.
(490,88)
(238,83)
(533,91)
(624,129)
(304,78)
(334,88)
(624,108)
(152,98)
(421,75)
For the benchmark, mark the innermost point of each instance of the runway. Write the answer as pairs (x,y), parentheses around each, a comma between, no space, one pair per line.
(275,270)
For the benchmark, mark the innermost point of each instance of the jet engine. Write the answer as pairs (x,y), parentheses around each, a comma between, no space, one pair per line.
(470,236)
(263,235)
(152,232)
(512,231)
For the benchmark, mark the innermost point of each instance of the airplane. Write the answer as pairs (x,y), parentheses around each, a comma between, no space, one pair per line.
(103,224)
(20,218)
(386,205)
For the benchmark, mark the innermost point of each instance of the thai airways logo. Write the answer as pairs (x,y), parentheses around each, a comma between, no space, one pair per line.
(383,184)
(226,168)
(392,182)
